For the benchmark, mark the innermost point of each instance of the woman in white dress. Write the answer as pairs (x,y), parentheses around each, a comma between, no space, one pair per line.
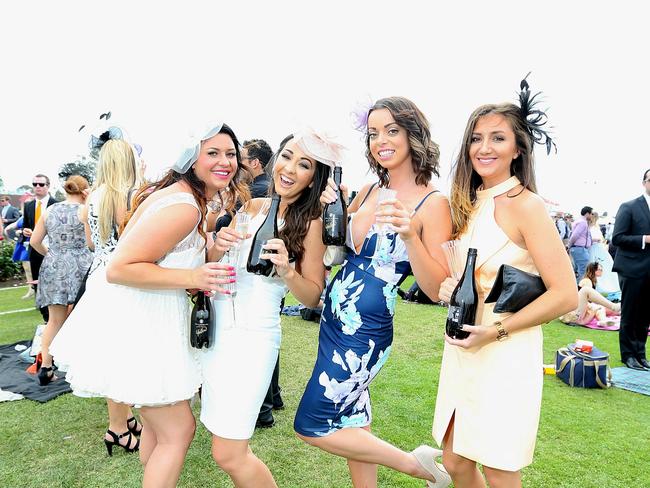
(608,281)
(160,254)
(237,371)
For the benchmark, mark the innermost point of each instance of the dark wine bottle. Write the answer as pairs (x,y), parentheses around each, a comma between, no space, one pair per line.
(335,216)
(464,301)
(201,326)
(268,230)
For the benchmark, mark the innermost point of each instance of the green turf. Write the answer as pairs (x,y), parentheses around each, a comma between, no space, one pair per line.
(587,438)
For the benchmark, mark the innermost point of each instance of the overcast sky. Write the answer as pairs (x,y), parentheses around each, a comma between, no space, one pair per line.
(267,68)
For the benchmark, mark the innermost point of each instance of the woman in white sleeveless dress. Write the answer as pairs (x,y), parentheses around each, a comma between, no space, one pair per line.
(237,371)
(160,255)
(608,281)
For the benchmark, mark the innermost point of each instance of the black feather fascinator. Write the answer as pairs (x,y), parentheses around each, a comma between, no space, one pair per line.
(535,118)
(96,143)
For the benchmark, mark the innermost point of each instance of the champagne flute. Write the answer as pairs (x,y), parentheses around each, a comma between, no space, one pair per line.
(455,254)
(382,228)
(231,257)
(242,220)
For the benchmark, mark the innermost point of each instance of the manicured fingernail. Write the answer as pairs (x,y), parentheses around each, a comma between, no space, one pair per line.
(232,281)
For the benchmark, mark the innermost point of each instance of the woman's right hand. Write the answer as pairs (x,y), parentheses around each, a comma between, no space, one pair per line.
(228,237)
(447,287)
(329,193)
(209,276)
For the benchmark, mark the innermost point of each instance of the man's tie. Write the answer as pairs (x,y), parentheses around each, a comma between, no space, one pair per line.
(37,214)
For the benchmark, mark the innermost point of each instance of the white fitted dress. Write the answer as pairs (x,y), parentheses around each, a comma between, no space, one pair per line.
(130,344)
(237,369)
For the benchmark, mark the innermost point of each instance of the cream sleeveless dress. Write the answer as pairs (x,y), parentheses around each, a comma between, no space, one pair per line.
(132,344)
(496,390)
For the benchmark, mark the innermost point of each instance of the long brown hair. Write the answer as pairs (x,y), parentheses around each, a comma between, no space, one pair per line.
(465,180)
(425,154)
(299,215)
(235,190)
(590,273)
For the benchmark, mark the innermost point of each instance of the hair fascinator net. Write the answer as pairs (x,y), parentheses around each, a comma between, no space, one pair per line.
(534,117)
(319,146)
(192,146)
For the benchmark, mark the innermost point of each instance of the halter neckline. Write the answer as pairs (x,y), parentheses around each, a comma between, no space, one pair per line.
(499,189)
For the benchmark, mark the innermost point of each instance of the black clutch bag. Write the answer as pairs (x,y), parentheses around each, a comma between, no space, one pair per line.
(514,289)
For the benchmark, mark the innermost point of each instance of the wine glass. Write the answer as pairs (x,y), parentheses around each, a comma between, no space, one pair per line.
(382,228)
(455,254)
(242,220)
(231,257)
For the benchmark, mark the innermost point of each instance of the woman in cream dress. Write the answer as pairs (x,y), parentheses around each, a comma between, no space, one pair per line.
(490,390)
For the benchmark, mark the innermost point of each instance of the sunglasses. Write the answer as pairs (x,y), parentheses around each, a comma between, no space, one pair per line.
(39,184)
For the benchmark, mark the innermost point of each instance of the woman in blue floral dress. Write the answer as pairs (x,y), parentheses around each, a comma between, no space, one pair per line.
(356,328)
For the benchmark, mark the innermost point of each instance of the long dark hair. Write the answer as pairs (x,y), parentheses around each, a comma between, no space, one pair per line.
(425,153)
(300,213)
(590,273)
(236,188)
(465,180)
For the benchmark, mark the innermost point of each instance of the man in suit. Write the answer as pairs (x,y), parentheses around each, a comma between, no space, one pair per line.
(8,213)
(33,211)
(631,237)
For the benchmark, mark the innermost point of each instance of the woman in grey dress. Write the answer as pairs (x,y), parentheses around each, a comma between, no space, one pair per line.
(67,259)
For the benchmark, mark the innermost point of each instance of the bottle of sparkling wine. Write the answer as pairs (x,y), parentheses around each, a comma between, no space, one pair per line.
(268,230)
(201,326)
(464,301)
(335,216)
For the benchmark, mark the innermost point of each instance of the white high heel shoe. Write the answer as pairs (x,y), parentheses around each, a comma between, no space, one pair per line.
(426,456)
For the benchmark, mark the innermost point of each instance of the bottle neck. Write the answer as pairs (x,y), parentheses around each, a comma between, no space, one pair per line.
(337,176)
(471,262)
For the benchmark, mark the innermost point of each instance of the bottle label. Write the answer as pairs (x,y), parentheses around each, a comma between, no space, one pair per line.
(454,314)
(331,223)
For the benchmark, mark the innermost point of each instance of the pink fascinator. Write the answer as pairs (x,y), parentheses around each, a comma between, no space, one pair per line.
(359,115)
(319,146)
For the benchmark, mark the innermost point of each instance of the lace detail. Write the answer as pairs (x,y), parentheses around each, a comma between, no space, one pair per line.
(102,250)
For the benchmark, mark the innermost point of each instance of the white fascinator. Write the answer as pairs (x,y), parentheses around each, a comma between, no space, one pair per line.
(320,146)
(192,146)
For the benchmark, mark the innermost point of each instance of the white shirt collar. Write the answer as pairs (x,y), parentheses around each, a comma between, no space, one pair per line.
(44,200)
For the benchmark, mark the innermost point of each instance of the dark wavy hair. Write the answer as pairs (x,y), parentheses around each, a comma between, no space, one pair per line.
(590,272)
(259,149)
(425,153)
(236,188)
(300,213)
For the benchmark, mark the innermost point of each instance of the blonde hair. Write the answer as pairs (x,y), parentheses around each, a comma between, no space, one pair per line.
(465,180)
(118,174)
(75,185)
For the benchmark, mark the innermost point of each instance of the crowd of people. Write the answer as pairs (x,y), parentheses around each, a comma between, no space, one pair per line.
(115,272)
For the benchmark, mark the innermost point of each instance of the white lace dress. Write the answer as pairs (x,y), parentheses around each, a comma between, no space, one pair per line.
(130,344)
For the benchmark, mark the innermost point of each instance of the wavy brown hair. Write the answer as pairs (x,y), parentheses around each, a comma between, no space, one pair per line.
(465,180)
(590,273)
(425,154)
(235,190)
(299,214)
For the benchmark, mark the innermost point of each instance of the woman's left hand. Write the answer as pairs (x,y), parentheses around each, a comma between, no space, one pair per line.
(479,336)
(399,217)
(280,258)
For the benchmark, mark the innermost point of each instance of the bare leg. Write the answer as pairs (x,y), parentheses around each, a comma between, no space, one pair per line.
(498,478)
(173,427)
(463,471)
(359,445)
(58,314)
(589,295)
(148,442)
(238,461)
(363,475)
(117,415)
(28,276)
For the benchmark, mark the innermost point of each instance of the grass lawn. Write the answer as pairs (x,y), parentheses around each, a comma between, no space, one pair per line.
(587,438)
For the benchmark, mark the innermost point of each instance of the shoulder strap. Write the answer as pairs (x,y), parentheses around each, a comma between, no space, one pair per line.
(424,199)
(367,194)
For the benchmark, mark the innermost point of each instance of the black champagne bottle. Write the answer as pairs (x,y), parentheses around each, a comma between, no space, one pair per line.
(268,230)
(201,326)
(335,216)
(464,301)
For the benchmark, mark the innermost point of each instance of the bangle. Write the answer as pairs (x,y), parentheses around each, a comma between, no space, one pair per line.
(502,334)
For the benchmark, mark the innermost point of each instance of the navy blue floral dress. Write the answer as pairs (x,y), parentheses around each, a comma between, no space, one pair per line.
(356,333)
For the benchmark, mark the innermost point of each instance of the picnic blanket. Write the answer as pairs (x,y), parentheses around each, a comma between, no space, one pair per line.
(631,379)
(15,379)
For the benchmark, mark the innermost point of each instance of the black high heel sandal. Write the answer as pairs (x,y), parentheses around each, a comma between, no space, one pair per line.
(136,429)
(45,375)
(116,442)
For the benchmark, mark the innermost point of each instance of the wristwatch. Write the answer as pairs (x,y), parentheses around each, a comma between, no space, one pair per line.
(502,335)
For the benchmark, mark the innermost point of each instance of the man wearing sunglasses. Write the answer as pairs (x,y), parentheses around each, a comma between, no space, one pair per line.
(631,237)
(33,211)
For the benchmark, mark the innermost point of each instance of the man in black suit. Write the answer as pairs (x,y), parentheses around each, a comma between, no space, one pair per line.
(631,237)
(33,212)
(8,212)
